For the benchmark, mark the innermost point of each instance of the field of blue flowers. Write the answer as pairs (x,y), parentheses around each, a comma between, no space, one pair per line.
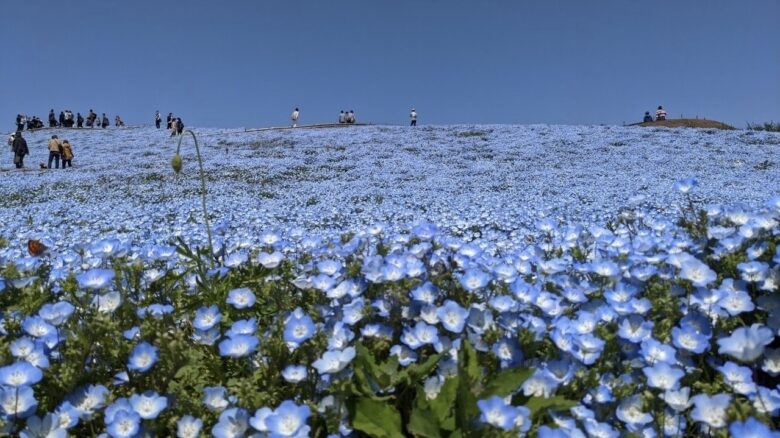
(459,281)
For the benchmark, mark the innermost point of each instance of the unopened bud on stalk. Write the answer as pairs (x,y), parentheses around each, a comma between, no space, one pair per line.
(176,163)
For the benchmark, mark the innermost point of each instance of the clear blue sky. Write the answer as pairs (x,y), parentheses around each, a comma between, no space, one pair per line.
(234,63)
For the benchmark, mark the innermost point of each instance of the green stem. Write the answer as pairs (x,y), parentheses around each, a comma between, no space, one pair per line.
(202,189)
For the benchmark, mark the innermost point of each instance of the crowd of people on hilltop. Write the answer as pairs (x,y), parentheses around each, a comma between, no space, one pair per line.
(66,120)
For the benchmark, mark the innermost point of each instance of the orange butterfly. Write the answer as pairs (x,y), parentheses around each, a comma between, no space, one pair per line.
(36,248)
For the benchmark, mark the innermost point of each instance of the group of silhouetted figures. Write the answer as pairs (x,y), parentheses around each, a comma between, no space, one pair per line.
(173,124)
(660,115)
(66,120)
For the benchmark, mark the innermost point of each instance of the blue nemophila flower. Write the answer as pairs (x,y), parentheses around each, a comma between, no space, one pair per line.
(333,361)
(678,399)
(238,346)
(107,302)
(425,293)
(630,412)
(736,302)
(206,317)
(125,424)
(188,427)
(746,344)
(698,273)
(241,298)
(143,357)
(653,352)
(329,267)
(89,399)
(236,259)
(233,423)
(21,347)
(18,402)
(47,427)
(131,333)
(298,328)
(243,327)
(588,348)
(752,428)
(339,336)
(270,260)
(740,379)
(289,420)
(57,313)
(353,312)
(37,327)
(635,329)
(322,282)
(215,398)
(685,185)
(601,430)
(206,337)
(710,410)
(258,420)
(158,311)
(452,316)
(687,338)
(474,279)
(95,278)
(507,350)
(767,401)
(663,376)
(67,415)
(294,373)
(20,374)
(149,404)
(496,412)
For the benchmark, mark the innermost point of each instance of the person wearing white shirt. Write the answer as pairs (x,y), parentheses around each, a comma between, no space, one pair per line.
(294,117)
(413,116)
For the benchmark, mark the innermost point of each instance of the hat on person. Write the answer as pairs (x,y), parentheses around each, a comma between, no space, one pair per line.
(54,136)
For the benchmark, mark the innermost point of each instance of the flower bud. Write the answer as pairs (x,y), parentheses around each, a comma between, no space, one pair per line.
(176,163)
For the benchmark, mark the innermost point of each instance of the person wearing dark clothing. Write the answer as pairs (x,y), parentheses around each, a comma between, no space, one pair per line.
(648,117)
(169,120)
(52,119)
(31,123)
(91,118)
(104,124)
(79,120)
(19,122)
(179,126)
(62,119)
(19,147)
(413,117)
(157,119)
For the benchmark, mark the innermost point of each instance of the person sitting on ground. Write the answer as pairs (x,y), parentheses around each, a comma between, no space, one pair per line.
(351,117)
(20,149)
(67,154)
(660,114)
(648,117)
(55,149)
(118,122)
(342,117)
(104,123)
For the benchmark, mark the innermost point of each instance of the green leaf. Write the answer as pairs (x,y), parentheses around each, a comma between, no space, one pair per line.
(377,419)
(468,372)
(443,405)
(422,423)
(470,363)
(418,371)
(506,382)
(539,405)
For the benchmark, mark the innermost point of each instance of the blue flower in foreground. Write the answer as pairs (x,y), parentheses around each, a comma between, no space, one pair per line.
(752,428)
(243,327)
(547,432)
(653,352)
(47,427)
(89,399)
(95,278)
(242,298)
(20,374)
(67,415)
(711,410)
(452,316)
(740,379)
(38,327)
(233,423)
(258,420)
(299,327)
(238,346)
(663,376)
(236,259)
(689,339)
(698,273)
(333,361)
(630,412)
(206,317)
(57,313)
(474,279)
(215,398)
(143,357)
(288,420)
(405,355)
(125,425)
(188,427)
(149,404)
(19,402)
(746,344)
(496,412)
(270,260)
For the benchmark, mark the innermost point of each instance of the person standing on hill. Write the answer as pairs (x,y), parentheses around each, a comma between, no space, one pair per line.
(413,116)
(67,154)
(169,119)
(648,117)
(351,117)
(62,119)
(660,114)
(52,119)
(19,122)
(19,147)
(342,117)
(55,149)
(104,123)
(157,119)
(79,120)
(294,117)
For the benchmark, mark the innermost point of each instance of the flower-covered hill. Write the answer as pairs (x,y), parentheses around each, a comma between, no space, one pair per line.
(495,179)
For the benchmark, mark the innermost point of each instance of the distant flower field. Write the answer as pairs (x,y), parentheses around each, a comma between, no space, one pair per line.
(441,282)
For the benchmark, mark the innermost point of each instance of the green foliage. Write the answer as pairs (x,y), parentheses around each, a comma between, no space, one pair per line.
(766,126)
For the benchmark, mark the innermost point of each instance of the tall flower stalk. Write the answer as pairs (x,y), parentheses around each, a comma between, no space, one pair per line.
(176,163)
